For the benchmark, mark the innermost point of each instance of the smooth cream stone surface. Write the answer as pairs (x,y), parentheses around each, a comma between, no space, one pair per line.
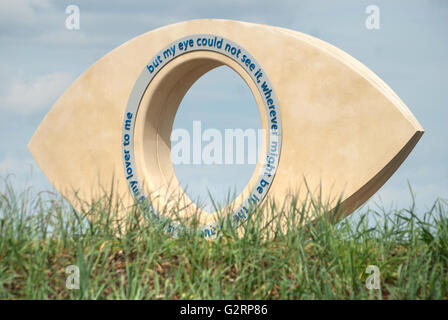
(343,128)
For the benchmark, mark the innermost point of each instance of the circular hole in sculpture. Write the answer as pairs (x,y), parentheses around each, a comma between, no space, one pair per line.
(216,139)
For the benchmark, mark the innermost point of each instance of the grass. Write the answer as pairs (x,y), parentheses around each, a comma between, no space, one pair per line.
(40,236)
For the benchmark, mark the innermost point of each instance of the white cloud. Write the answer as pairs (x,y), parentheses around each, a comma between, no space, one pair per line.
(20,11)
(18,170)
(29,95)
(22,172)
(14,164)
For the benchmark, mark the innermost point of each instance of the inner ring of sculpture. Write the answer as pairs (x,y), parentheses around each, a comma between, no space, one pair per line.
(150,114)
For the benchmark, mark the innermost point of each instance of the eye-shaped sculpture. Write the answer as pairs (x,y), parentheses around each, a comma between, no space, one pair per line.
(328,119)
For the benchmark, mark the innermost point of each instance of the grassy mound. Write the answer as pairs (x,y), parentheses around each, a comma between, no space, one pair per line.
(40,236)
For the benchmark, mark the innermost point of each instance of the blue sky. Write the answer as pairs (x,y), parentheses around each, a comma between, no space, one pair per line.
(39,58)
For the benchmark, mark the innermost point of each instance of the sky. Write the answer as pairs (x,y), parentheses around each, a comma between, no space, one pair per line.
(40,58)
